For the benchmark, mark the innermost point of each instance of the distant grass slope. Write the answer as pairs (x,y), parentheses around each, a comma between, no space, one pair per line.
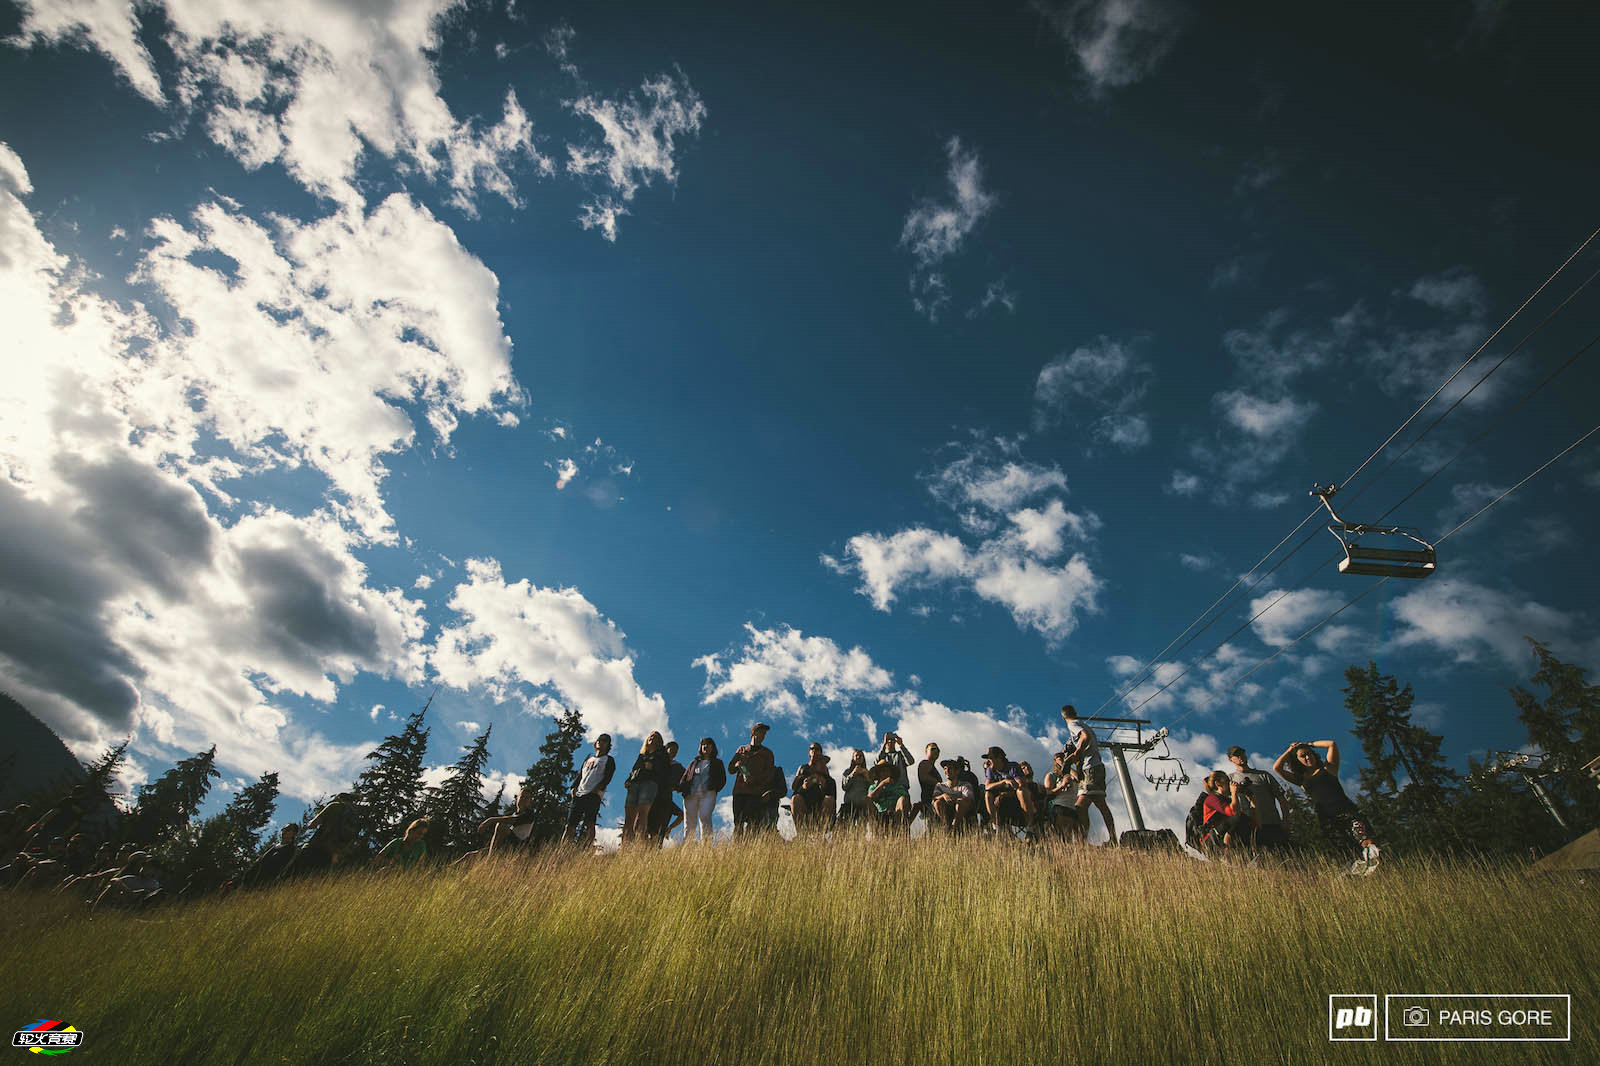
(854,952)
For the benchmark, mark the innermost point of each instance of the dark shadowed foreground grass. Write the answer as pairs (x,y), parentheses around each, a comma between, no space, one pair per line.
(907,952)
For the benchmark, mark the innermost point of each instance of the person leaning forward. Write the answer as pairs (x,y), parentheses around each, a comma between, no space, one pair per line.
(755,780)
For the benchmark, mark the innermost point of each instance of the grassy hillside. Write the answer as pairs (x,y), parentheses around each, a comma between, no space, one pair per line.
(903,952)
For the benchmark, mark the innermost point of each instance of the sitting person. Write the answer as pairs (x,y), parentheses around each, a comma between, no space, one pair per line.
(138,886)
(1225,818)
(514,830)
(272,861)
(853,803)
(408,851)
(955,800)
(815,794)
(1009,797)
(889,795)
(1060,800)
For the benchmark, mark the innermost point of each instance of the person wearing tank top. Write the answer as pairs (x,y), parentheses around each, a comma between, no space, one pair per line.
(1341,820)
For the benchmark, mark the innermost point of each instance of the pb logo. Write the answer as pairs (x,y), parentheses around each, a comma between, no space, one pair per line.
(1352,1017)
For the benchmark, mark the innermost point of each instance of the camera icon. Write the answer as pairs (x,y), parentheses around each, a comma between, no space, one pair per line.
(1414,1016)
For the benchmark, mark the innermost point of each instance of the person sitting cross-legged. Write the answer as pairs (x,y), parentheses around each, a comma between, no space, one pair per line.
(1007,794)
(955,800)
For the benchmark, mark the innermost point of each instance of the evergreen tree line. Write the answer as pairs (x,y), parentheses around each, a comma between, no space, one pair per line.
(1416,803)
(163,817)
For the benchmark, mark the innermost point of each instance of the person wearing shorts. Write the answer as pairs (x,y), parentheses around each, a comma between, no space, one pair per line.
(644,785)
(1083,751)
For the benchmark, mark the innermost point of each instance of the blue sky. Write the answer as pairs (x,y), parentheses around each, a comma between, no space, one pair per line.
(917,368)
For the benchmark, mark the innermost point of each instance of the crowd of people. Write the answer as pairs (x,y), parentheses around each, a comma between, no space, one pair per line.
(1242,813)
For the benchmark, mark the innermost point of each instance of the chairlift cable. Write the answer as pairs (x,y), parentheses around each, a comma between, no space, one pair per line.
(1490,340)
(1154,660)
(1460,399)
(1363,595)
(1493,425)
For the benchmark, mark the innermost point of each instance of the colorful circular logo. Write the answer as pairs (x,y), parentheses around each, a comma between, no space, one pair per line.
(47,1037)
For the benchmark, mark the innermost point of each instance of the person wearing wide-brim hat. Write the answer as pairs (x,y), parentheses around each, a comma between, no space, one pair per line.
(755,781)
(815,793)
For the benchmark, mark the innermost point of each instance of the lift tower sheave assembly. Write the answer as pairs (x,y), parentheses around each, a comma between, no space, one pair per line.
(1120,736)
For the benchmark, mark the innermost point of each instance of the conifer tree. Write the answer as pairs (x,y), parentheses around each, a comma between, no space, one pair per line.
(1406,785)
(1566,725)
(168,803)
(456,807)
(552,775)
(390,792)
(227,841)
(100,775)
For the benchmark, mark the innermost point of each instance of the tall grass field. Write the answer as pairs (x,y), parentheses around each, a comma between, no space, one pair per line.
(926,951)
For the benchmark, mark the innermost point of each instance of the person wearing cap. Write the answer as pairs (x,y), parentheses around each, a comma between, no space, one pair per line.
(1005,789)
(928,778)
(1269,808)
(754,783)
(954,798)
(815,793)
(1083,751)
(702,781)
(589,793)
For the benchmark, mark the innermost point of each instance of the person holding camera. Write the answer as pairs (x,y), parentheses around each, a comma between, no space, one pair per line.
(815,794)
(899,759)
(857,780)
(1007,793)
(754,783)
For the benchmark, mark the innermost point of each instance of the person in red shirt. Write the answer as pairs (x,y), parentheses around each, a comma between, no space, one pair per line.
(1225,816)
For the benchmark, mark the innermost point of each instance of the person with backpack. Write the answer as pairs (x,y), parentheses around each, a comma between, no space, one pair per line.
(589,792)
(1341,820)
(1224,816)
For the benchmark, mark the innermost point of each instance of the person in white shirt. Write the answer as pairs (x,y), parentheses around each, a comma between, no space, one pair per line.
(1083,750)
(589,792)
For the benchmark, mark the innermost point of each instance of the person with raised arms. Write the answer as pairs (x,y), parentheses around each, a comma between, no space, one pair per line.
(1341,820)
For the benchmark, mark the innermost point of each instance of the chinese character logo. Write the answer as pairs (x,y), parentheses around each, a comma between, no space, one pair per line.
(46,1037)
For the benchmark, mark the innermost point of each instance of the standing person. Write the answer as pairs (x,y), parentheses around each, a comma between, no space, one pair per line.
(857,780)
(890,795)
(1083,751)
(895,754)
(928,778)
(1060,798)
(1341,820)
(815,794)
(755,771)
(1270,808)
(665,814)
(411,850)
(954,799)
(1005,789)
(330,834)
(701,782)
(643,783)
(589,792)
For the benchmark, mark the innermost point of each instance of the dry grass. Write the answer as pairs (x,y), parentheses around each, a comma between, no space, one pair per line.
(897,952)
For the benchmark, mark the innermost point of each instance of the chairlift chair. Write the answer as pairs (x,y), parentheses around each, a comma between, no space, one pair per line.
(1168,771)
(1358,558)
